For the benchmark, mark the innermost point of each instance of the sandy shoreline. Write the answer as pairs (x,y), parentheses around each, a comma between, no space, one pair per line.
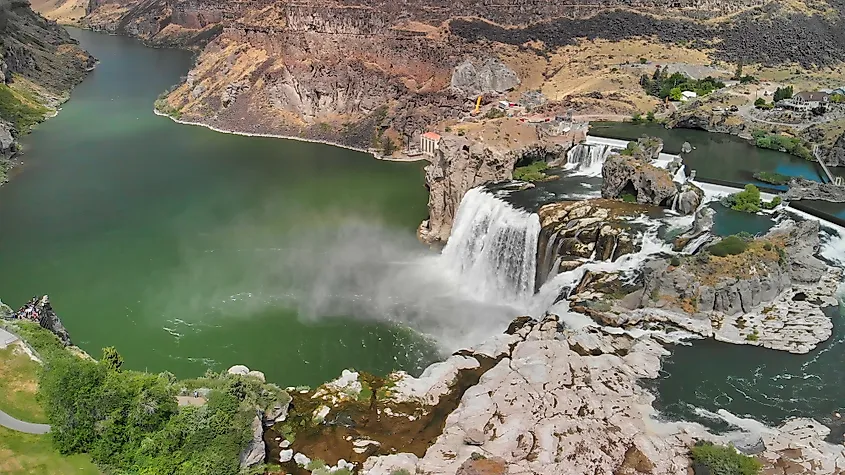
(285,137)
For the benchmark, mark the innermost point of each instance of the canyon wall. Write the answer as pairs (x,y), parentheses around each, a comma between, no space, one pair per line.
(39,64)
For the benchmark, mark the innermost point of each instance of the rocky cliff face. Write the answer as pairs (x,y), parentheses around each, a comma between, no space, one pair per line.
(39,64)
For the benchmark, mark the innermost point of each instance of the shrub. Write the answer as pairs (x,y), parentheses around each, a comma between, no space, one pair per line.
(675,261)
(401,471)
(643,60)
(494,113)
(747,201)
(637,118)
(767,246)
(387,145)
(628,198)
(724,460)
(650,116)
(759,102)
(730,245)
(773,204)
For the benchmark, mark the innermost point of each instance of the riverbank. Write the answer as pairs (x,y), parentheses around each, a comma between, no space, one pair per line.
(373,153)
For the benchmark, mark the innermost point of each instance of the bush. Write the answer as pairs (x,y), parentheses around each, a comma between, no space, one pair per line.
(724,460)
(675,261)
(643,60)
(637,118)
(773,204)
(772,177)
(729,246)
(747,201)
(387,146)
(650,116)
(759,102)
(129,421)
(494,113)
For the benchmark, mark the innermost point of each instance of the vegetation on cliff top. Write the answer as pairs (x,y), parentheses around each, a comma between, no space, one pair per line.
(723,460)
(661,84)
(129,421)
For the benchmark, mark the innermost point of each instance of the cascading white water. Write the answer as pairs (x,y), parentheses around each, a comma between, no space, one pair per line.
(493,248)
(694,244)
(587,159)
(550,292)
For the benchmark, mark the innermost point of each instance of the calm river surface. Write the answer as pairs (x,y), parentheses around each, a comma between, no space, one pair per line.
(189,249)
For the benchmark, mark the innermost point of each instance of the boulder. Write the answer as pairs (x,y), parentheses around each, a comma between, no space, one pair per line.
(490,77)
(686,147)
(626,175)
(480,465)
(238,369)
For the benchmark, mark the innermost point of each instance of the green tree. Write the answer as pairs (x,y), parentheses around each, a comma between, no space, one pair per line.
(782,93)
(747,200)
(387,145)
(837,98)
(759,102)
(111,358)
(650,116)
(738,73)
(675,94)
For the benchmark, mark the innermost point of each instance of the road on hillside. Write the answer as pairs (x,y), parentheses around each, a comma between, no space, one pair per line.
(10,422)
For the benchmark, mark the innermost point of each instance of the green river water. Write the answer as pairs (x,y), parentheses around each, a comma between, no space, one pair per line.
(189,249)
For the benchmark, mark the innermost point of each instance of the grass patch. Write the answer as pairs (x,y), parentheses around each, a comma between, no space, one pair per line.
(27,454)
(771,177)
(18,385)
(532,172)
(21,110)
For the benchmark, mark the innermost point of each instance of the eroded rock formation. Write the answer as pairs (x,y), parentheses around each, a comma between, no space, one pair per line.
(626,175)
(461,163)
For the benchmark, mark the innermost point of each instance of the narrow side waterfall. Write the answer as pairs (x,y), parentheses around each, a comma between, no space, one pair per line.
(587,159)
(493,248)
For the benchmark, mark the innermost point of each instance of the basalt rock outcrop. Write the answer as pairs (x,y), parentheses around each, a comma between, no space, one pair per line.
(490,76)
(39,310)
(539,399)
(626,175)
(804,189)
(573,232)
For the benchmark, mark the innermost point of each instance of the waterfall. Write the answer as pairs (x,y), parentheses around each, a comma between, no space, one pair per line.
(587,159)
(493,248)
